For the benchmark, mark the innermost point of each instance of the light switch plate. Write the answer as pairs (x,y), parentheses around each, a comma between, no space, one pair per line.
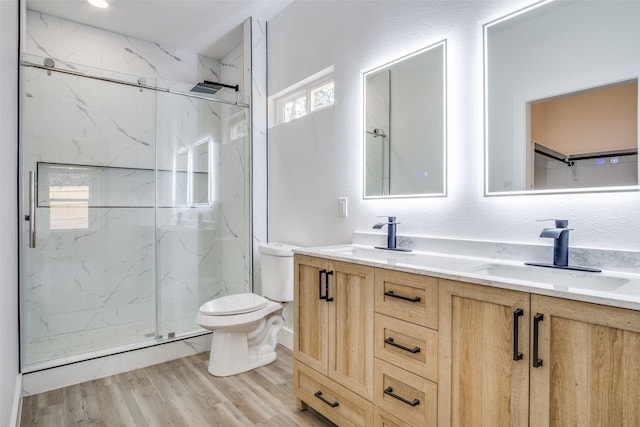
(343,207)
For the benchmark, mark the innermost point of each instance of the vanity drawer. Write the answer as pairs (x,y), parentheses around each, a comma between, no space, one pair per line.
(409,397)
(384,419)
(411,347)
(406,296)
(332,400)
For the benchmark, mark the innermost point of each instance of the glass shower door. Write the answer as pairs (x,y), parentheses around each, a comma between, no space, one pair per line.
(88,285)
(138,211)
(203,215)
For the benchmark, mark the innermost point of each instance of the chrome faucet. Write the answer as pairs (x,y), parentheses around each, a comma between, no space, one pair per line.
(392,227)
(560,236)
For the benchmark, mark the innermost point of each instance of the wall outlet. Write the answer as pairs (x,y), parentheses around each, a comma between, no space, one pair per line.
(343,206)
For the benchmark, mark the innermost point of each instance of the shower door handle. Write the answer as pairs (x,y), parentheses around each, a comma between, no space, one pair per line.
(31,217)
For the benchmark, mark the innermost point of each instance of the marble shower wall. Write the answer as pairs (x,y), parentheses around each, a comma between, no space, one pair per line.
(234,166)
(104,255)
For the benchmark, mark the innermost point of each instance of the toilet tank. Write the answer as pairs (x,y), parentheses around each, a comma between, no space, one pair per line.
(276,264)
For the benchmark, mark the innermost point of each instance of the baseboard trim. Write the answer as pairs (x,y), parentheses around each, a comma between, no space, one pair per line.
(16,408)
(285,337)
(79,372)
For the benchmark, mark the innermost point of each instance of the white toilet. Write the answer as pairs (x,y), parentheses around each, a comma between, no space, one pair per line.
(245,326)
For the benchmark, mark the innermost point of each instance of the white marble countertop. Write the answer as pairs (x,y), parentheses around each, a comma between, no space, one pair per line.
(613,288)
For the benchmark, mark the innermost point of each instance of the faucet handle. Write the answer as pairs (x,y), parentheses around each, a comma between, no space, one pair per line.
(391,219)
(560,223)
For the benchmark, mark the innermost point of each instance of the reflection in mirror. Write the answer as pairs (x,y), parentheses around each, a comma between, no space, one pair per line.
(200,173)
(192,175)
(180,176)
(404,129)
(561,98)
(585,139)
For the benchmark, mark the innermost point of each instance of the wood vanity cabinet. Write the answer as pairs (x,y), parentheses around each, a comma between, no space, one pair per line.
(379,347)
(582,360)
(333,346)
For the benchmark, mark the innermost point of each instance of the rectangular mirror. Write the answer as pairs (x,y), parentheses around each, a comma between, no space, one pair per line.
(561,98)
(405,126)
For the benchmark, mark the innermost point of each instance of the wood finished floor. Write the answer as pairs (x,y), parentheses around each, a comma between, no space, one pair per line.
(176,393)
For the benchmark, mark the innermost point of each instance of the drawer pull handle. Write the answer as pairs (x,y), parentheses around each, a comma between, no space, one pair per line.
(537,362)
(390,392)
(517,355)
(413,350)
(391,294)
(318,394)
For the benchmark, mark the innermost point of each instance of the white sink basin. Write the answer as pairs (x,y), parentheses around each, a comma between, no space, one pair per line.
(557,277)
(365,252)
(400,258)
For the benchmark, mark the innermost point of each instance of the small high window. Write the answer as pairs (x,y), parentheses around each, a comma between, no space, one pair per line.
(321,96)
(301,99)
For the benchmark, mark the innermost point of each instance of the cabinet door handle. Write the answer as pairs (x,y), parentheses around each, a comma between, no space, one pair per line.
(391,294)
(320,273)
(537,362)
(326,286)
(517,355)
(389,391)
(333,404)
(413,350)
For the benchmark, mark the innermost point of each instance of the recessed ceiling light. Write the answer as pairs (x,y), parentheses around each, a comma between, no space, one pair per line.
(99,3)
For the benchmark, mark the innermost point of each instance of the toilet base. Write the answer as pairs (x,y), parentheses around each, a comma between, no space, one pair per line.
(236,352)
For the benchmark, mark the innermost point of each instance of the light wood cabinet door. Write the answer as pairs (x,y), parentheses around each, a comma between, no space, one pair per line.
(311,314)
(479,382)
(590,372)
(351,327)
(333,321)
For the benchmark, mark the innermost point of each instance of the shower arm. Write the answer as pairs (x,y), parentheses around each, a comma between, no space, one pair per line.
(234,87)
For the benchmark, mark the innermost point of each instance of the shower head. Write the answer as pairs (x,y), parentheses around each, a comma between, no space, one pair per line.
(206,87)
(211,87)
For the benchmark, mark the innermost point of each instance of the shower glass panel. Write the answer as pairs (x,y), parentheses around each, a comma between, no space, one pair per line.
(141,205)
(203,207)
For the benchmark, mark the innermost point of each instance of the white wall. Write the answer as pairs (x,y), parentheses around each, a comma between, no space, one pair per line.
(314,160)
(9,357)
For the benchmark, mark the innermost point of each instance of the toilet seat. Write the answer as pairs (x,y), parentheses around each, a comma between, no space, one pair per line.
(237,320)
(233,304)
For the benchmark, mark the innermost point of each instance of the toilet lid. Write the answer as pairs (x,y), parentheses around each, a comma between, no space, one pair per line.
(233,304)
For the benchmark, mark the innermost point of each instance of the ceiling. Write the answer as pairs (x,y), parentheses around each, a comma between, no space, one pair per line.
(206,27)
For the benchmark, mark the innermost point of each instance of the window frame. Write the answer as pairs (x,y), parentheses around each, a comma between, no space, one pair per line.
(299,92)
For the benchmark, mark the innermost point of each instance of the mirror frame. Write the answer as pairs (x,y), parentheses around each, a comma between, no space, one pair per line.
(582,84)
(443,193)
